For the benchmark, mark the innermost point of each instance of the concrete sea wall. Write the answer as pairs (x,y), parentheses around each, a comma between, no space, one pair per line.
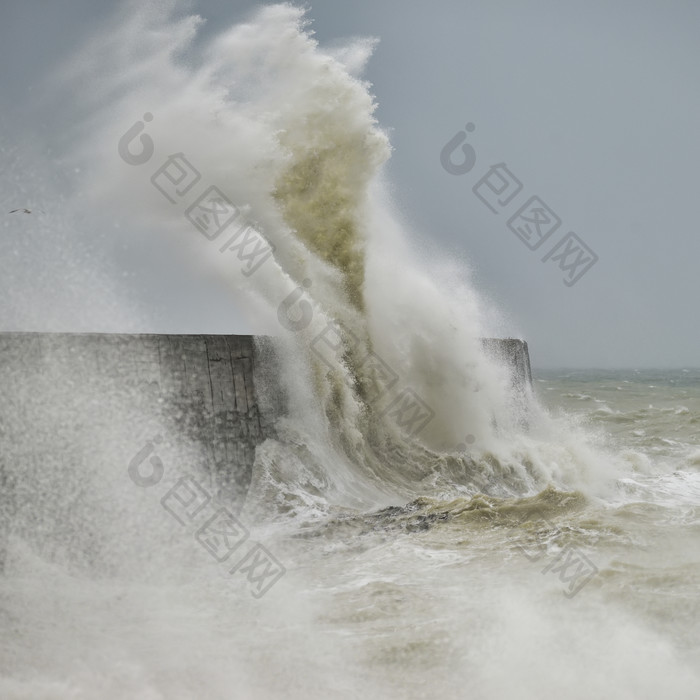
(514,353)
(69,400)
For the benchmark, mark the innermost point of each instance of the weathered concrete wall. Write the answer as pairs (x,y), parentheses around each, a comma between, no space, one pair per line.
(76,408)
(66,397)
(514,354)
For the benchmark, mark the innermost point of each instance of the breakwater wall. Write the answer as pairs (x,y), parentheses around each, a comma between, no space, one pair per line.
(72,399)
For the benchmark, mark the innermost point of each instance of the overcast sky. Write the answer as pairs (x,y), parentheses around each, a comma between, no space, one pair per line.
(592,106)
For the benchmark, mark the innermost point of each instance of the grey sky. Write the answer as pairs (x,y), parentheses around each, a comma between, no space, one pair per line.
(592,105)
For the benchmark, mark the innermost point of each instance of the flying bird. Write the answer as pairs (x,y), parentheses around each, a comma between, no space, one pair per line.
(24,211)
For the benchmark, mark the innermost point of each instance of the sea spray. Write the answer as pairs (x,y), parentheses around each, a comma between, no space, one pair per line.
(287,131)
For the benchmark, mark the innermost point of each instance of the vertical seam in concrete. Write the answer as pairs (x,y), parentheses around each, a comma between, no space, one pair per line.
(211,385)
(161,385)
(233,379)
(252,374)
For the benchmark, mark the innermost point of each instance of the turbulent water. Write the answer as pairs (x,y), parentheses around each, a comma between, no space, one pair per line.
(504,545)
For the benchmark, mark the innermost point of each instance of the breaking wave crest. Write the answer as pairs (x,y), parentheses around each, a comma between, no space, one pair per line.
(362,318)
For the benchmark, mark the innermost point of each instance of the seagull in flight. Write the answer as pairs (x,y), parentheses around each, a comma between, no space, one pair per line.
(24,211)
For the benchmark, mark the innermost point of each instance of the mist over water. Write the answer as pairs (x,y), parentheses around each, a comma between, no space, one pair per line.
(416,561)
